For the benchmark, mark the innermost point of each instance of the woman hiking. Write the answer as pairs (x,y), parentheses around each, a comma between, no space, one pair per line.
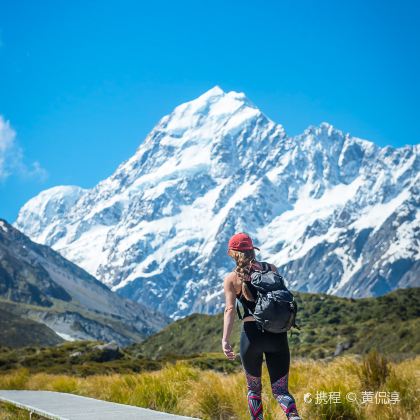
(254,342)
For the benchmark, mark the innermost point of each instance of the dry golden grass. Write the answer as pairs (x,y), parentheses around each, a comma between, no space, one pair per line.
(181,389)
(10,412)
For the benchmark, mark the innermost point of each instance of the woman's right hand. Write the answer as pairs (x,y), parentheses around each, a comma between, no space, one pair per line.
(227,350)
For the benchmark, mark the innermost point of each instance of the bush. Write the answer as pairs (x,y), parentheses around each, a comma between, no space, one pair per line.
(163,389)
(214,400)
(14,380)
(374,370)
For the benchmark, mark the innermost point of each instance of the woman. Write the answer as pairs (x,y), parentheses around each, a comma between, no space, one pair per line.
(254,342)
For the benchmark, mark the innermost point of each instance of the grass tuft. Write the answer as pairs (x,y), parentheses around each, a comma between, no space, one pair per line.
(374,370)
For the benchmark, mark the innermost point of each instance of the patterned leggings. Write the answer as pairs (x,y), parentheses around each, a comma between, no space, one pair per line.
(253,344)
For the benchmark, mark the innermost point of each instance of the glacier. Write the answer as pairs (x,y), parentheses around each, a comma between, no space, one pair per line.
(337,214)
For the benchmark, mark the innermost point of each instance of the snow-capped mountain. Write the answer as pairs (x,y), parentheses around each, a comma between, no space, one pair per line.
(335,213)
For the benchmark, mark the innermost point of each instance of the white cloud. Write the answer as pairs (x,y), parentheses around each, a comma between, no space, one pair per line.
(7,138)
(12,158)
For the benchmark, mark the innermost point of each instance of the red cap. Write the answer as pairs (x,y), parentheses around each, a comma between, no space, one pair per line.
(241,242)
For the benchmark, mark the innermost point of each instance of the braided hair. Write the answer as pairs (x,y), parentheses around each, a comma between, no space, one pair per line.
(244,260)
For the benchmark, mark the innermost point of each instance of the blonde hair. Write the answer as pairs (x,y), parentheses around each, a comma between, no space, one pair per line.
(243,260)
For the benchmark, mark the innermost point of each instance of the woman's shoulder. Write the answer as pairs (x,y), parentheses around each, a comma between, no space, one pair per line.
(230,278)
(231,283)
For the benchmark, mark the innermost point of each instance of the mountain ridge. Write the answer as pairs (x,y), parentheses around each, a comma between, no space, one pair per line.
(36,282)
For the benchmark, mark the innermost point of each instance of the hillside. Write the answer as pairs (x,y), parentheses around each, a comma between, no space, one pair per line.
(37,282)
(16,331)
(390,323)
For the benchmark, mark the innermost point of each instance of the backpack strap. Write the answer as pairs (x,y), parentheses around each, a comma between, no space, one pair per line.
(265,266)
(238,310)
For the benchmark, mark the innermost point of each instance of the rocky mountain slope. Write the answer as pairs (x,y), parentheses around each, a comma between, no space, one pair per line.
(336,214)
(16,331)
(38,283)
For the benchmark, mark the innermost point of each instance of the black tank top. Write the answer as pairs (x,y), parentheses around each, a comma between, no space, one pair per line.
(248,306)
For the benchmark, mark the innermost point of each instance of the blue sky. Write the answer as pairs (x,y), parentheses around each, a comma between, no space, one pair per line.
(83,82)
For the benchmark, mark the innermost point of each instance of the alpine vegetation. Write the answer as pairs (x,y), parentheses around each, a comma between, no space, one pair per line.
(335,213)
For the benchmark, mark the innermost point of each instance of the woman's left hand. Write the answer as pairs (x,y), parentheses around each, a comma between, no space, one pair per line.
(227,350)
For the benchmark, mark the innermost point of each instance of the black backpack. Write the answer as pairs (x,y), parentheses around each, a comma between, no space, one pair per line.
(276,308)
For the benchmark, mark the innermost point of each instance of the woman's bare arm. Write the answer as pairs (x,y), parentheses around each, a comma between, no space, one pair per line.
(229,315)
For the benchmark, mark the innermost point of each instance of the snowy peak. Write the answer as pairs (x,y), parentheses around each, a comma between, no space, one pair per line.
(218,133)
(210,113)
(43,209)
(215,91)
(63,196)
(231,100)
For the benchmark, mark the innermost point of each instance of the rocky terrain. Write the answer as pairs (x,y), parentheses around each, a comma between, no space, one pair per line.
(38,283)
